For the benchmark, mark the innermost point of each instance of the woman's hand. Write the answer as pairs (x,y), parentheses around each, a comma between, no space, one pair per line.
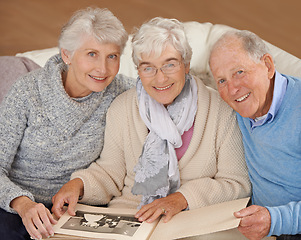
(168,206)
(36,218)
(69,193)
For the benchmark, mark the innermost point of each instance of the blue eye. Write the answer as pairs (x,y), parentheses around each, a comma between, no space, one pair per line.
(221,81)
(113,56)
(148,69)
(240,72)
(92,54)
(169,65)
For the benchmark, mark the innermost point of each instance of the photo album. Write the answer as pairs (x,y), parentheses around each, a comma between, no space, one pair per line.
(120,224)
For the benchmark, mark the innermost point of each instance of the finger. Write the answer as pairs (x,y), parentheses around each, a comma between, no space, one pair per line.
(40,226)
(157,213)
(58,208)
(167,217)
(145,215)
(32,230)
(248,221)
(51,217)
(142,210)
(246,211)
(47,220)
(71,206)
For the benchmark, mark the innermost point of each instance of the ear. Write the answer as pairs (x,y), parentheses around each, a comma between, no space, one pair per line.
(66,56)
(269,63)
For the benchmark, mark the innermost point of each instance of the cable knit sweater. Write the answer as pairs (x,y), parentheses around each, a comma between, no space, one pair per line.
(212,169)
(45,135)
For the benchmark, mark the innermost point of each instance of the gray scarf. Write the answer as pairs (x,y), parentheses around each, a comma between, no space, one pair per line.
(157,172)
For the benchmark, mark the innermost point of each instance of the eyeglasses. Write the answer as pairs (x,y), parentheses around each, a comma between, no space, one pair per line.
(171,67)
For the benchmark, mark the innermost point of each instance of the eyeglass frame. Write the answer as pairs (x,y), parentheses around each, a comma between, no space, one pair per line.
(162,69)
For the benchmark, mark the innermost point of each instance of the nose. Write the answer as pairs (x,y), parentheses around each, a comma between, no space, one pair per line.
(160,76)
(101,66)
(233,86)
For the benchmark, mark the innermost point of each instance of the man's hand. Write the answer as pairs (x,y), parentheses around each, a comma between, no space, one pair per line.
(36,218)
(168,206)
(255,222)
(69,193)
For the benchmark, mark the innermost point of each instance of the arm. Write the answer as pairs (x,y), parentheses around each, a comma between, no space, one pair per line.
(13,121)
(285,219)
(104,178)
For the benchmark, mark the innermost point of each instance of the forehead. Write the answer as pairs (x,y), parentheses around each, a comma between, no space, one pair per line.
(89,42)
(229,53)
(167,54)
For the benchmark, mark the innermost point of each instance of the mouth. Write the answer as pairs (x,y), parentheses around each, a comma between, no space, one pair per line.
(243,98)
(96,78)
(163,88)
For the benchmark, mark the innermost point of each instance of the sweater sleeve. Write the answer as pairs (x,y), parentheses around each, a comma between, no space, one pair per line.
(13,119)
(285,219)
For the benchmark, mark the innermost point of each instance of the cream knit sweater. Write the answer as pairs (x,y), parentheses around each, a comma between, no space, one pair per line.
(212,170)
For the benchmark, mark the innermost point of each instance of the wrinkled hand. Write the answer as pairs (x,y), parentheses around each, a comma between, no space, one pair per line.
(36,218)
(69,193)
(255,222)
(169,206)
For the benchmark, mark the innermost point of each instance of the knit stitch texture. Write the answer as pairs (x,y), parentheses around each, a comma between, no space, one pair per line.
(45,135)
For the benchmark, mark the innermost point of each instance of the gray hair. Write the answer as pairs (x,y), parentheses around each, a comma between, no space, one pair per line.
(251,43)
(95,22)
(155,35)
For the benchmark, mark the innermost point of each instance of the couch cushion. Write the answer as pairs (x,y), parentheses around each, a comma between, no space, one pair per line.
(11,68)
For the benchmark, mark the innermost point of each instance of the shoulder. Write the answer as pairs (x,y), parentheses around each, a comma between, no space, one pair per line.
(25,84)
(121,83)
(125,99)
(210,104)
(123,107)
(209,95)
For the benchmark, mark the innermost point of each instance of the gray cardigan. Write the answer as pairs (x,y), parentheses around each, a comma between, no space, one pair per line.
(45,135)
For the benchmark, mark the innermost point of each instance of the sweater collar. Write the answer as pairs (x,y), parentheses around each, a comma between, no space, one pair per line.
(67,114)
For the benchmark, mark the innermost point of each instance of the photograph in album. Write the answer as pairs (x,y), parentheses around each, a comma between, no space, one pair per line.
(102,223)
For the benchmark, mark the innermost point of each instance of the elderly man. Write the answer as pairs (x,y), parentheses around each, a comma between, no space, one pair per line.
(268,106)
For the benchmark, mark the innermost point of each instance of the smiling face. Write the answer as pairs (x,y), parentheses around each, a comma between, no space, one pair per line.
(164,88)
(246,85)
(92,67)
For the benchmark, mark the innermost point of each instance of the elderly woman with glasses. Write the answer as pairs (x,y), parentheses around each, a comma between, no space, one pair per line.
(171,143)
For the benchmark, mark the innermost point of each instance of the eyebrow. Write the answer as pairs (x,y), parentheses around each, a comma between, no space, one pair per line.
(166,60)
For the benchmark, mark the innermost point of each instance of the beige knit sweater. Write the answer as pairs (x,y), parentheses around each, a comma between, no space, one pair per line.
(212,170)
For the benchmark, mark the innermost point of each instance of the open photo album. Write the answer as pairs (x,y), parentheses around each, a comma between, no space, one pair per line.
(120,224)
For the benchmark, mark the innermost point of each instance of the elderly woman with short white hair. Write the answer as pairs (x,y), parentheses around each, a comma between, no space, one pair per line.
(52,121)
(171,143)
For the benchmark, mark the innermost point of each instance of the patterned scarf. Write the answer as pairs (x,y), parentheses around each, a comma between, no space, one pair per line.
(157,171)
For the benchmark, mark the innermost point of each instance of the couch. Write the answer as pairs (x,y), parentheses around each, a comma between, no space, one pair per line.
(201,37)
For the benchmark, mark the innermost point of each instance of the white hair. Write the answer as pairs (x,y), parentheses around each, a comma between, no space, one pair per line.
(154,35)
(251,43)
(96,22)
